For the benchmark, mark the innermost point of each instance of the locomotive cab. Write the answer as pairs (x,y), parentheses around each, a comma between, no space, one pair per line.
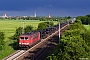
(27,40)
(24,41)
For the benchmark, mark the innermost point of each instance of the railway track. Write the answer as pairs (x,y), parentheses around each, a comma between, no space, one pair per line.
(38,52)
(14,55)
(21,54)
(41,52)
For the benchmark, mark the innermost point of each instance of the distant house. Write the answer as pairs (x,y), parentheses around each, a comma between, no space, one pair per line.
(5,16)
(49,16)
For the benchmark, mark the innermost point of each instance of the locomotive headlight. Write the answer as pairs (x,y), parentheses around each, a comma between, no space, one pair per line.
(19,43)
(27,43)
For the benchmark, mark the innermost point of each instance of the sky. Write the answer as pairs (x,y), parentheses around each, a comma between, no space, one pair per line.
(44,7)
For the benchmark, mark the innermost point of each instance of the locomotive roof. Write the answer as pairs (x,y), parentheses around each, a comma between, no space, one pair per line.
(29,33)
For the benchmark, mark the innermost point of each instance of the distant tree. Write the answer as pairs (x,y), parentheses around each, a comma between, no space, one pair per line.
(44,25)
(79,17)
(84,19)
(88,15)
(28,28)
(18,32)
(49,23)
(41,26)
(69,17)
(44,19)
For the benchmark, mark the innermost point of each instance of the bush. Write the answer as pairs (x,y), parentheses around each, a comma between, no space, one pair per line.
(28,28)
(1,40)
(41,26)
(44,25)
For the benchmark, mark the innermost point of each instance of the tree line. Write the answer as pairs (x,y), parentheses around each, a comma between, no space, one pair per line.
(38,18)
(84,19)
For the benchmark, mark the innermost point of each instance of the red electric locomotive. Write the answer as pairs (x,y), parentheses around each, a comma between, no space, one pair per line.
(28,39)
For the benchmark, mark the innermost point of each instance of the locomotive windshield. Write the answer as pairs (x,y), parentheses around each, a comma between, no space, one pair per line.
(23,38)
(26,38)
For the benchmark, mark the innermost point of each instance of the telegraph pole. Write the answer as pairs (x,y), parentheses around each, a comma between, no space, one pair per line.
(68,23)
(22,27)
(59,32)
(49,21)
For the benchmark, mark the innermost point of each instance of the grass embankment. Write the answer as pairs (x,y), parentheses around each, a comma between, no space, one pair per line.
(9,27)
(88,28)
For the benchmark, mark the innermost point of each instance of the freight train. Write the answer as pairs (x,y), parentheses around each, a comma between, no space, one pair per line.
(30,38)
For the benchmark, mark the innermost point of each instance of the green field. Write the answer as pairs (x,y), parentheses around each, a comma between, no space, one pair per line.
(9,27)
(87,27)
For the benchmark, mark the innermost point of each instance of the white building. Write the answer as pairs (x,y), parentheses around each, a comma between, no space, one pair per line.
(5,16)
(49,16)
(35,14)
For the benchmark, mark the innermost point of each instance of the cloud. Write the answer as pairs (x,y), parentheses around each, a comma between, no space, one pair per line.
(48,5)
